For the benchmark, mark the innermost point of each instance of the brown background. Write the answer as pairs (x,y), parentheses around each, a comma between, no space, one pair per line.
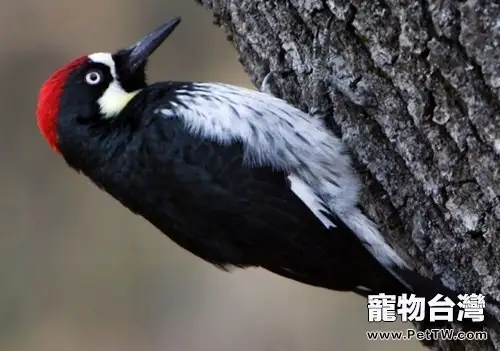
(78,271)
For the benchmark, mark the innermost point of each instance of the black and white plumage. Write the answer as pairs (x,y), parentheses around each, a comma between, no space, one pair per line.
(275,134)
(237,177)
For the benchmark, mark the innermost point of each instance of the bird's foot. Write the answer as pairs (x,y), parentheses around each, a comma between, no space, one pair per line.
(317,112)
(265,86)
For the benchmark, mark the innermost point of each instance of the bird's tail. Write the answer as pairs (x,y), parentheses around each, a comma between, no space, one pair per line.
(408,281)
(435,290)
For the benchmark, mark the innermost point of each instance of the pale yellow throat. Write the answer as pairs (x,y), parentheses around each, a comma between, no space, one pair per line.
(114,100)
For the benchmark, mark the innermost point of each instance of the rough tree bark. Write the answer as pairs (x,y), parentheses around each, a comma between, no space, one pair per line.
(413,87)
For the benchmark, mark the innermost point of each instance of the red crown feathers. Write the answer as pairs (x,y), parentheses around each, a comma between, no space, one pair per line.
(49,100)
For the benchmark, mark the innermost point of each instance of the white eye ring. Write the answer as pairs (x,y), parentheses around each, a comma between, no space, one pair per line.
(93,77)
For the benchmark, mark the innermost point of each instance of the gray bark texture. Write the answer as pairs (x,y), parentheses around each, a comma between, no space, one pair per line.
(413,87)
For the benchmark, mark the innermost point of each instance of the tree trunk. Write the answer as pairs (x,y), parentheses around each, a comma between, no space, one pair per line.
(413,87)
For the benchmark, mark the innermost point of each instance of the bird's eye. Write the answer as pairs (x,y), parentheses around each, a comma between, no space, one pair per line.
(93,77)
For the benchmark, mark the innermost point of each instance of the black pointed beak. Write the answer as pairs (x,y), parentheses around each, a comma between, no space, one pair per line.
(137,54)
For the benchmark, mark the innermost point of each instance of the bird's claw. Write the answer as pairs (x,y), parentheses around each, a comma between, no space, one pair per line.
(265,86)
(317,112)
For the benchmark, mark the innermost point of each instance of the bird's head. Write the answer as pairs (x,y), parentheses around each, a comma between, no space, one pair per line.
(96,86)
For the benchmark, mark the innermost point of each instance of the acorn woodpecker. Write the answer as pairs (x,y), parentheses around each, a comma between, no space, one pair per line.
(238,177)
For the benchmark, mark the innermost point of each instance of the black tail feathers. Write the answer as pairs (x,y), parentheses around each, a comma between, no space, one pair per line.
(434,290)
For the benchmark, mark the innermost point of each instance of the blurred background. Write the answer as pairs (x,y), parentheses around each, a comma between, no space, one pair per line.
(80,272)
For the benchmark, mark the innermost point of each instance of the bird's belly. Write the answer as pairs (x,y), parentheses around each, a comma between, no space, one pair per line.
(299,249)
(217,241)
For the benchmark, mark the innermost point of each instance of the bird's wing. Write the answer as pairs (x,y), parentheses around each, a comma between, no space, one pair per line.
(241,214)
(276,134)
(272,132)
(209,177)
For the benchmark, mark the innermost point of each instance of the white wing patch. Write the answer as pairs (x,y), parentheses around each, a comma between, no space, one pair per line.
(275,133)
(308,197)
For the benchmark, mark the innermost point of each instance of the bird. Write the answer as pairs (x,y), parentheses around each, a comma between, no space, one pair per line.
(236,176)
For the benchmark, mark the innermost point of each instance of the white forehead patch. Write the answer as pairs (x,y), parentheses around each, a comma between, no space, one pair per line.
(105,58)
(114,98)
